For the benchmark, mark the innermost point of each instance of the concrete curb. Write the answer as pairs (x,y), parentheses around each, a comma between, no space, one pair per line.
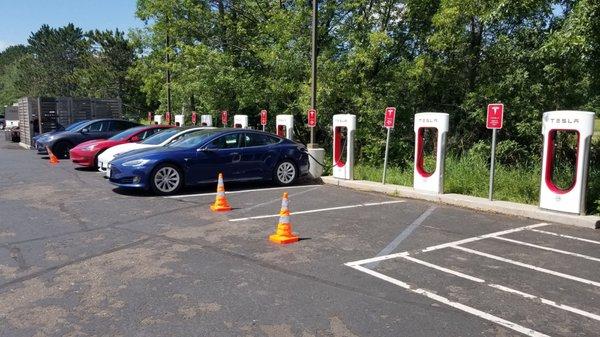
(465,201)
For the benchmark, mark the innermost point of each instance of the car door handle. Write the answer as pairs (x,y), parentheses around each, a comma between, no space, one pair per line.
(236,157)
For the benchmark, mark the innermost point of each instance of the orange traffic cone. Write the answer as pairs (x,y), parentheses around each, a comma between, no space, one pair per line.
(284,234)
(53,158)
(221,204)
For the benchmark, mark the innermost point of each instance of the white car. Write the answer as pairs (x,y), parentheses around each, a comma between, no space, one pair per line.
(160,139)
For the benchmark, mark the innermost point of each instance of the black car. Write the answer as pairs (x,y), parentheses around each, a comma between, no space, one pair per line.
(61,142)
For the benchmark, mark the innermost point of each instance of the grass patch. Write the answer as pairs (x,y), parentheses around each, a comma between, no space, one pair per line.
(596,129)
(468,175)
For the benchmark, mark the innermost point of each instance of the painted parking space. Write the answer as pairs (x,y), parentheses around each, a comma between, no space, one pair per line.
(532,289)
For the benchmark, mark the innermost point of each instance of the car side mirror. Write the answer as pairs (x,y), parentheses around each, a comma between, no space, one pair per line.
(206,149)
(85,130)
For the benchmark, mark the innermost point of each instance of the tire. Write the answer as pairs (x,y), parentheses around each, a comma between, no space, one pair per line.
(166,179)
(61,149)
(285,173)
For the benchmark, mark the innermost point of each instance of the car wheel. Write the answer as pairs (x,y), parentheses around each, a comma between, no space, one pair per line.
(285,173)
(166,179)
(61,149)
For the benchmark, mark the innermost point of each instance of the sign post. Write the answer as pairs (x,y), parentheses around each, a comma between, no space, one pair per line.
(495,117)
(224,118)
(194,117)
(263,118)
(388,123)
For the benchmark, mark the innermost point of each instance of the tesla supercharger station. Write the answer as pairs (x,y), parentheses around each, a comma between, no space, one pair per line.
(179,119)
(572,198)
(240,121)
(284,124)
(344,128)
(158,119)
(422,179)
(206,120)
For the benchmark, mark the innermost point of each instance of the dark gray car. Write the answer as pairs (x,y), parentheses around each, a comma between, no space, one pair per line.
(61,142)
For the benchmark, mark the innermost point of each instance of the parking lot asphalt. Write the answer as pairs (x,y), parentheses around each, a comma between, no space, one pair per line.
(81,258)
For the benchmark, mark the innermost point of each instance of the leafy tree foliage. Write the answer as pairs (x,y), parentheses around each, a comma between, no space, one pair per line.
(65,61)
(452,56)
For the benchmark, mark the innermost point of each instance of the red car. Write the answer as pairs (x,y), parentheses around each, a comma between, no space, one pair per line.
(86,153)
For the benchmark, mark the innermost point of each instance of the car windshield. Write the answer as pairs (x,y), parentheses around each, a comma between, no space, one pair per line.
(160,137)
(193,139)
(127,133)
(73,126)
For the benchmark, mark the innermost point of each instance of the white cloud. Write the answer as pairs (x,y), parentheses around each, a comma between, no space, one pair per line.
(4,45)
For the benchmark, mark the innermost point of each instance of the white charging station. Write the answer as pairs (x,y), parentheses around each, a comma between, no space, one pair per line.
(284,126)
(158,119)
(240,121)
(344,129)
(572,198)
(206,120)
(422,179)
(179,119)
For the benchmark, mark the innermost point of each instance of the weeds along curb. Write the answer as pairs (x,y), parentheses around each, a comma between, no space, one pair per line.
(469,202)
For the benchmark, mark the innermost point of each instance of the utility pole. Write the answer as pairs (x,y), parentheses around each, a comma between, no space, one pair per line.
(313,84)
(168,69)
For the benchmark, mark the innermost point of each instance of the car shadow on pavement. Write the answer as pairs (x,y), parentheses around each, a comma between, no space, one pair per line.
(211,188)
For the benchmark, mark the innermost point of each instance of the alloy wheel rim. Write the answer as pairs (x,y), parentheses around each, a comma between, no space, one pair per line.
(286,172)
(166,179)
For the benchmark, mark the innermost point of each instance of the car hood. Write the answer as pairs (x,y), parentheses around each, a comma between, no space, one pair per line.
(123,149)
(152,154)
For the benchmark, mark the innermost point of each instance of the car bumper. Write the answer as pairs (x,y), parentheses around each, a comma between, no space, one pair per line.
(41,148)
(82,158)
(128,177)
(103,167)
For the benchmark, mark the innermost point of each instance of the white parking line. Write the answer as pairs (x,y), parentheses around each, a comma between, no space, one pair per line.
(240,191)
(566,236)
(456,305)
(449,244)
(529,266)
(587,257)
(320,210)
(505,289)
(402,236)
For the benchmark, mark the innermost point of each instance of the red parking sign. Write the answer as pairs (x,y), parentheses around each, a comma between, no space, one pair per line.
(150,116)
(312,118)
(495,116)
(390,117)
(224,118)
(194,117)
(168,117)
(263,117)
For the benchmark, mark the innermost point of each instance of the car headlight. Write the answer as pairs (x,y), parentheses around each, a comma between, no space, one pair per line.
(88,148)
(137,162)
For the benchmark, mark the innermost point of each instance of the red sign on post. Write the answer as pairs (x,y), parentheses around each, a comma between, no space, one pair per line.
(168,117)
(263,117)
(312,118)
(390,117)
(495,116)
(224,118)
(194,117)
(150,116)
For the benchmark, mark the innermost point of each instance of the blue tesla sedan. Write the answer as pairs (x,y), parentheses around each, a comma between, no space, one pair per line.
(240,154)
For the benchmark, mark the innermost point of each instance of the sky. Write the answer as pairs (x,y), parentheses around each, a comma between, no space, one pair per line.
(21,17)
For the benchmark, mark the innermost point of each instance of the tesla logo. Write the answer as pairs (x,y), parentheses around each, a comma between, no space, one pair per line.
(428,120)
